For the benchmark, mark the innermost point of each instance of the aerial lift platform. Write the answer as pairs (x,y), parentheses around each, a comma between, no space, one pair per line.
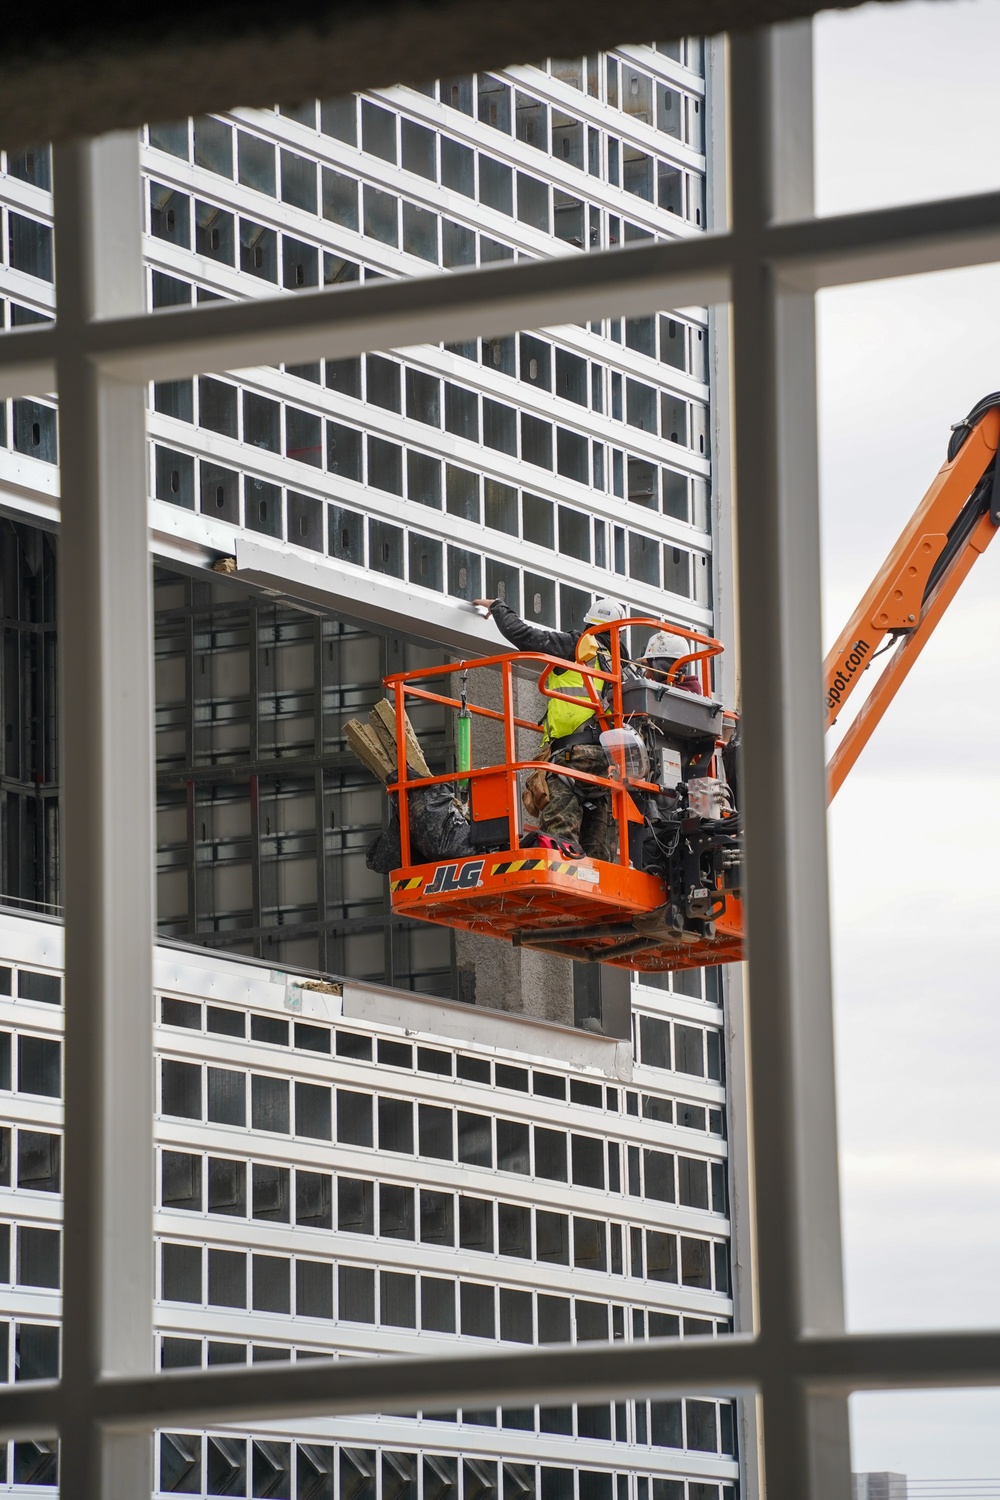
(672,898)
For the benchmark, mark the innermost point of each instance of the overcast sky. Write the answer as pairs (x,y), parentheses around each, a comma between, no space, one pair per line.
(907,108)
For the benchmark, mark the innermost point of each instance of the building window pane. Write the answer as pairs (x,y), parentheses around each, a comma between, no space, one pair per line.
(180,1184)
(381,215)
(478,1311)
(354,1118)
(356,1289)
(496,185)
(39,1066)
(437,1218)
(269,1103)
(227,1186)
(213,146)
(552,1237)
(533,202)
(475,1139)
(215,235)
(458,245)
(271,1198)
(227,1093)
(305,521)
(420,232)
(37,1256)
(356,1205)
(395,1125)
(299,263)
(536,441)
(378,131)
(314,1205)
(419,150)
(514,1230)
(339,118)
(385,472)
(435,1132)
(396,1211)
(426,561)
(553,1320)
(398,1300)
(256,163)
(539,599)
(313,1290)
(437,1304)
(343,450)
(423,397)
(258,250)
(475,1223)
(661,1255)
(464,572)
(272,1284)
(340,199)
(180,1273)
(423,479)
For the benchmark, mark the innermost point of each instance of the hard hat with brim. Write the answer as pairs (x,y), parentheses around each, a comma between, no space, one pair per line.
(604,611)
(666,644)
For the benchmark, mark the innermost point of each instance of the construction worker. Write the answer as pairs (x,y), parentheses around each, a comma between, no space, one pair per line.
(574,810)
(663,650)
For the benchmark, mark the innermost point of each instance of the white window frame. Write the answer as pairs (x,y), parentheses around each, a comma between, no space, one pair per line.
(798,1364)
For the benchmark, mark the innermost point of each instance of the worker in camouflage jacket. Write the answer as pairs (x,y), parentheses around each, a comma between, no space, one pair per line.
(575,811)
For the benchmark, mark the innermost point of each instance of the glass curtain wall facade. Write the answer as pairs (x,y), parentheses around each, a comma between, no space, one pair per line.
(334,1177)
(539,468)
(326,1182)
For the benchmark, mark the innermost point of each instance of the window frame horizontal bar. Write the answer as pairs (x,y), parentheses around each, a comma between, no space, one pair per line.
(340,322)
(726,1367)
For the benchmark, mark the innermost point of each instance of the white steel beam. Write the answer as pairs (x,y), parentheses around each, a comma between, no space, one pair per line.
(105,650)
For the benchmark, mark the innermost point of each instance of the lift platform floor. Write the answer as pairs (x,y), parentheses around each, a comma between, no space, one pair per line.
(586,909)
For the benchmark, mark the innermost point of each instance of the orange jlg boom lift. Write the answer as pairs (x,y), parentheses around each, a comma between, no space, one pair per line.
(672,899)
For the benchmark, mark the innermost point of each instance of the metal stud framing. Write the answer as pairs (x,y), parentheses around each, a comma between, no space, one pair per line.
(799,1364)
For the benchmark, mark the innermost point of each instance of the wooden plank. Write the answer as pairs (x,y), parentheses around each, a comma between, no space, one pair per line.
(385,736)
(414,755)
(369,750)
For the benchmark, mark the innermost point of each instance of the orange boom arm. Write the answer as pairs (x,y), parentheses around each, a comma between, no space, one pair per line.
(953,524)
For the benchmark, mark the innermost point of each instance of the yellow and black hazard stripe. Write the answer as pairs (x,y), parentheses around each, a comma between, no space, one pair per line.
(555,867)
(406,885)
(509,866)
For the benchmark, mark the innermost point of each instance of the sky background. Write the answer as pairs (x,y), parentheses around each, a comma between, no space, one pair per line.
(907,109)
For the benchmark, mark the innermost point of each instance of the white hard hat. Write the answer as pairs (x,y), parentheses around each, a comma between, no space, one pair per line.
(603,611)
(666,644)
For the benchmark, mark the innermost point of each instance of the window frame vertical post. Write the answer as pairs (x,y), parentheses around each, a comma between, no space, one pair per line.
(797,1222)
(107,823)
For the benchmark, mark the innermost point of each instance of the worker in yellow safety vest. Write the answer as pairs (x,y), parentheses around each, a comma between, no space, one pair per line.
(573,810)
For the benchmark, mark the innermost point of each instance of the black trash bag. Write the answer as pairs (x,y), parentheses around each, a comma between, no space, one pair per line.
(384,853)
(439,824)
(439,829)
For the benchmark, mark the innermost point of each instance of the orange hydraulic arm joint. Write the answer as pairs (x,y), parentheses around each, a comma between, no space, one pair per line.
(953,524)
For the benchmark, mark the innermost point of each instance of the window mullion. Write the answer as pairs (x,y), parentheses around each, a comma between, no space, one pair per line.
(790,1006)
(107,815)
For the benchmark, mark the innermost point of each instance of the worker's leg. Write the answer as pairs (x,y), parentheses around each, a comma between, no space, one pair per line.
(561,815)
(598,833)
(597,829)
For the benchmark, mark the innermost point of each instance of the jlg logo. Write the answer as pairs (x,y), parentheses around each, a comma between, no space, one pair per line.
(455,878)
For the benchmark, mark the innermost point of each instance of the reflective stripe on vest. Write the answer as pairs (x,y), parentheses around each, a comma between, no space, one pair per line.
(563,718)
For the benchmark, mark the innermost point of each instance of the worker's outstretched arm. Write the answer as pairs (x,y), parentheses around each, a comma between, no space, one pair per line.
(526,637)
